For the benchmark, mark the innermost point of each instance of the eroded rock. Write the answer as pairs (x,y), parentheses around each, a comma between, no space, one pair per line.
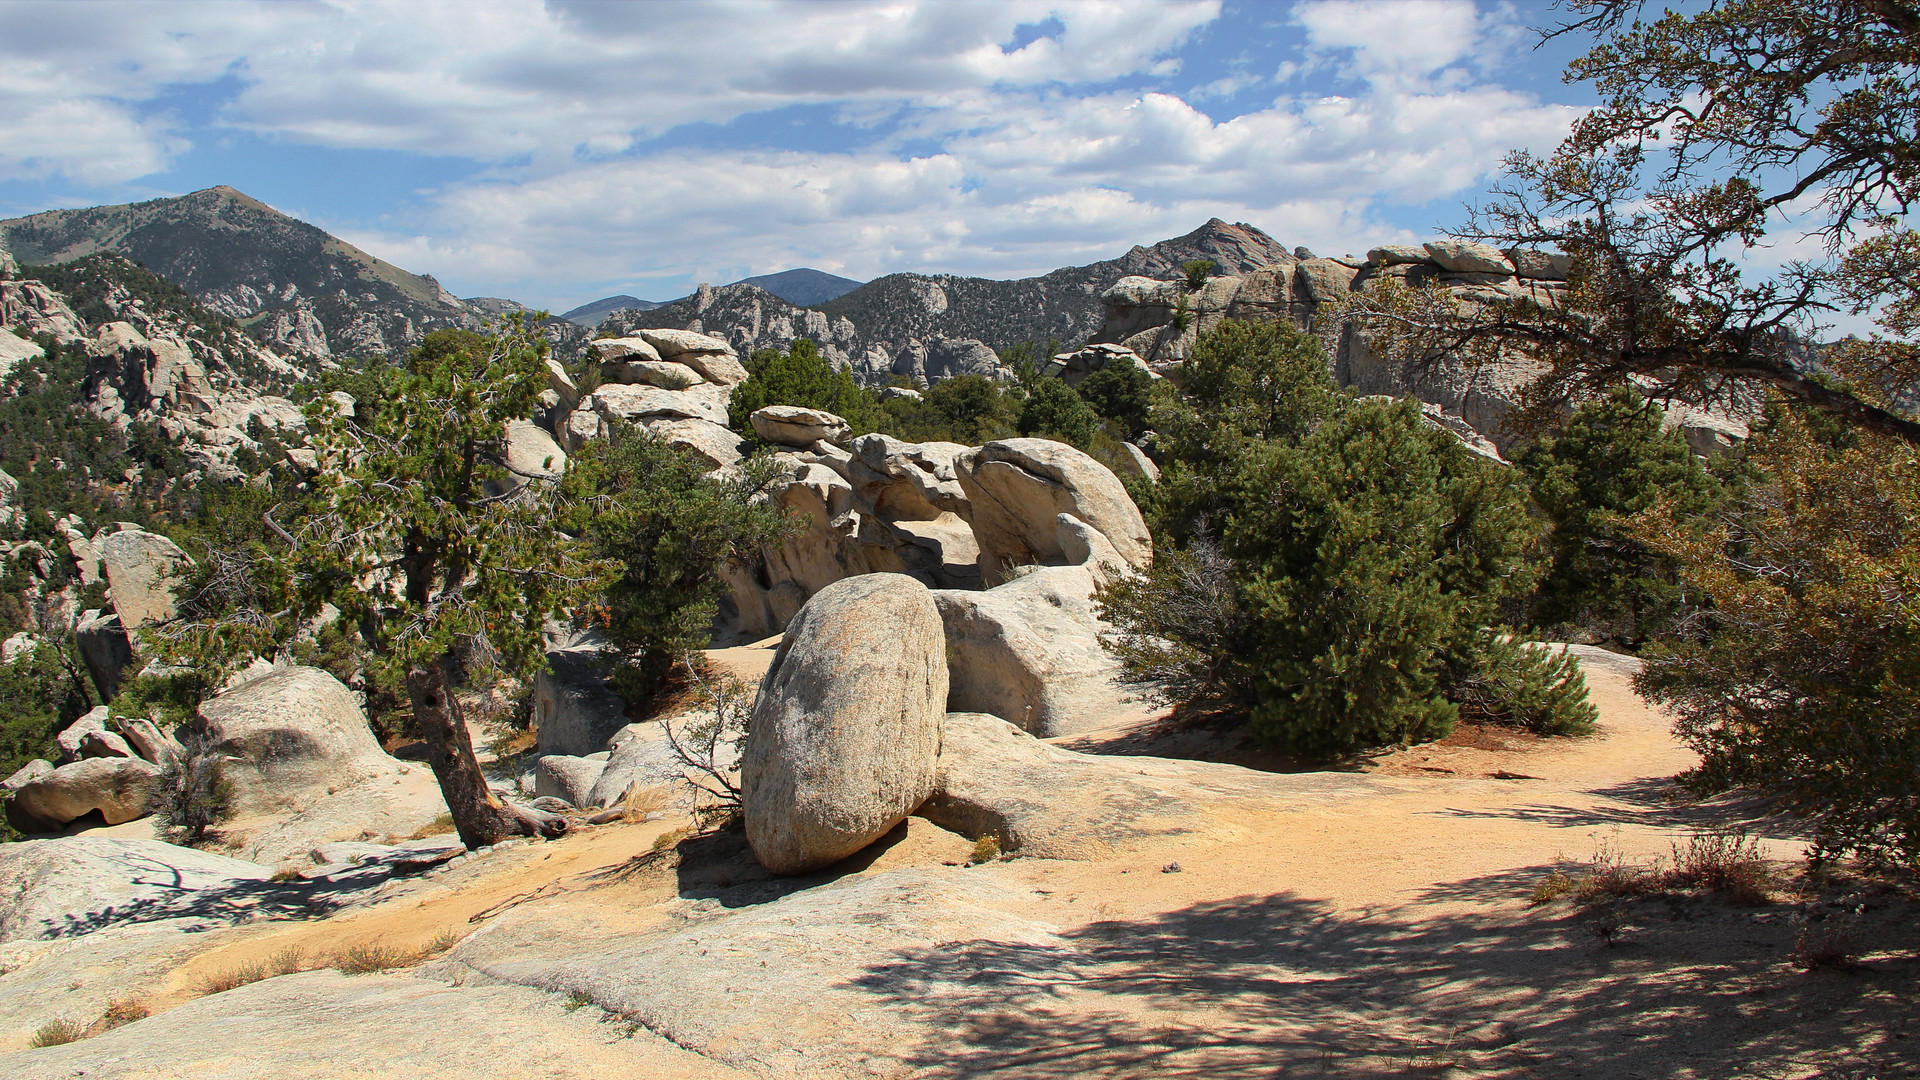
(847,725)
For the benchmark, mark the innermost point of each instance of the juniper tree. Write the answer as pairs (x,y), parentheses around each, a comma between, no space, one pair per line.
(445,558)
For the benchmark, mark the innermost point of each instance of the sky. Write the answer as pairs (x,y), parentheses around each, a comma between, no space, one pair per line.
(555,153)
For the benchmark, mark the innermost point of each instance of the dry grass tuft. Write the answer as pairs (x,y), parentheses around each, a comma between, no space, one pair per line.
(123,1011)
(371,956)
(640,802)
(58,1032)
(288,960)
(439,826)
(671,837)
(233,978)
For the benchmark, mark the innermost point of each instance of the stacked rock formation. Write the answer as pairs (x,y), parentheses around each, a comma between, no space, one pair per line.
(674,383)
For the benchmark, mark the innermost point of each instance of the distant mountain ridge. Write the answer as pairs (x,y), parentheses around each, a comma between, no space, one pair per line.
(928,326)
(804,286)
(591,314)
(292,283)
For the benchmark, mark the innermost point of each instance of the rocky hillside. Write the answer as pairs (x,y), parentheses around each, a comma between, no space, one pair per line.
(921,327)
(1063,304)
(293,285)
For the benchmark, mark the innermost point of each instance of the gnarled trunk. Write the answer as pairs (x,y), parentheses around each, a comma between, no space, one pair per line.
(480,818)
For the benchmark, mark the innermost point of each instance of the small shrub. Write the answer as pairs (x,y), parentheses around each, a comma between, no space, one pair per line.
(1182,314)
(288,960)
(1831,943)
(707,742)
(1519,683)
(1605,918)
(1197,272)
(123,1011)
(285,874)
(1727,863)
(192,796)
(1552,887)
(233,978)
(445,939)
(58,1032)
(986,849)
(371,956)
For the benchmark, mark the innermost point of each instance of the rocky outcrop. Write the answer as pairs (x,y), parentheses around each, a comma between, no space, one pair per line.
(575,712)
(1160,320)
(950,516)
(1029,651)
(299,1027)
(104,648)
(640,758)
(291,738)
(118,787)
(32,307)
(1046,802)
(791,425)
(931,327)
(767,988)
(141,570)
(1016,489)
(846,728)
(569,778)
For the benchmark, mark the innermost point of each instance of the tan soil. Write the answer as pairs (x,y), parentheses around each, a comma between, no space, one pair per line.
(1386,934)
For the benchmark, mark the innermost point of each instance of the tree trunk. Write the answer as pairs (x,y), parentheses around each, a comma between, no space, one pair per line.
(480,818)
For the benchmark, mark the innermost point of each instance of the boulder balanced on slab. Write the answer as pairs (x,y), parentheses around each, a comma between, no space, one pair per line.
(846,730)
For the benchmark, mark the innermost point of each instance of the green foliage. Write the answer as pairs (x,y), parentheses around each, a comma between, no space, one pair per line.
(417,531)
(1612,461)
(1512,682)
(40,694)
(1802,677)
(1053,410)
(1124,395)
(1359,555)
(652,511)
(801,376)
(1197,272)
(969,409)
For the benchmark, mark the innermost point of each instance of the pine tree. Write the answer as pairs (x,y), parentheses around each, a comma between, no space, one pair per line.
(1361,555)
(1612,461)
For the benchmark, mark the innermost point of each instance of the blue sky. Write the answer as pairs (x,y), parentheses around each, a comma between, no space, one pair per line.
(559,152)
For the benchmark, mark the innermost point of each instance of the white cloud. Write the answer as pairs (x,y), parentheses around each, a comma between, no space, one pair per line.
(957,152)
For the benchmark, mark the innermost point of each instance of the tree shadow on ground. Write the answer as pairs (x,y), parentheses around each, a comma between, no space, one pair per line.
(1657,802)
(1281,986)
(173,899)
